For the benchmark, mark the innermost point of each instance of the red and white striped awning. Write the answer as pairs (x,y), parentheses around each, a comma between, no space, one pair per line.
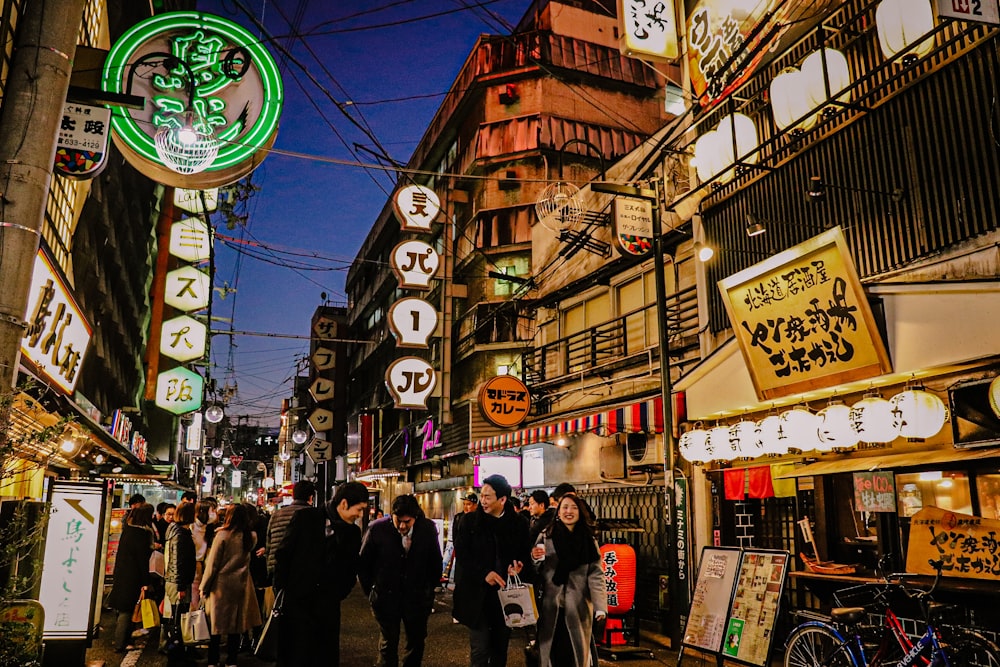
(642,417)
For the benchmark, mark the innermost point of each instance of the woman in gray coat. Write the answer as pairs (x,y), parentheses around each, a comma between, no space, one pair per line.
(232,602)
(571,584)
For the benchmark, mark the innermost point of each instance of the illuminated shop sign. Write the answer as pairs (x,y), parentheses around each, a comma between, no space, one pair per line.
(648,29)
(505,401)
(803,321)
(237,91)
(82,145)
(57,336)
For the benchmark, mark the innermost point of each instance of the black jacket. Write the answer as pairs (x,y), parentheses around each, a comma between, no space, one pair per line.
(179,552)
(131,567)
(317,559)
(539,523)
(484,543)
(393,578)
(276,528)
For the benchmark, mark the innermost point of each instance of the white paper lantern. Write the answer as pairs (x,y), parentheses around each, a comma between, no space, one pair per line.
(900,23)
(769,435)
(835,430)
(706,156)
(815,84)
(719,445)
(789,101)
(873,420)
(695,442)
(736,132)
(743,436)
(800,428)
(918,413)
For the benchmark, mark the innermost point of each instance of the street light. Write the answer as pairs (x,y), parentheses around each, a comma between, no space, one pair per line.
(666,389)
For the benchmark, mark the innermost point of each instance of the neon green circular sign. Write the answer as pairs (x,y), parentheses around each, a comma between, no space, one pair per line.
(189,62)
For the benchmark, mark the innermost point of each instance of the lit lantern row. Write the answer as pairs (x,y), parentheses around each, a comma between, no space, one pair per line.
(913,413)
(798,94)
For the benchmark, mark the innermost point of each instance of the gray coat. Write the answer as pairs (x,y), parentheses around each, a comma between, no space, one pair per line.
(585,595)
(232,603)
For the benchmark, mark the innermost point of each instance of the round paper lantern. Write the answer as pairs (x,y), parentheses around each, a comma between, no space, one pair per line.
(835,430)
(706,156)
(919,413)
(738,132)
(743,436)
(900,23)
(873,420)
(618,565)
(789,101)
(693,446)
(718,443)
(769,436)
(800,428)
(814,83)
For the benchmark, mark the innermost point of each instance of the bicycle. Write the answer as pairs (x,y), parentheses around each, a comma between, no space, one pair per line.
(846,640)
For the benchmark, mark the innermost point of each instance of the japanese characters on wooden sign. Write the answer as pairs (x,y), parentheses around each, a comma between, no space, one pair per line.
(505,401)
(802,319)
(57,336)
(968,545)
(648,29)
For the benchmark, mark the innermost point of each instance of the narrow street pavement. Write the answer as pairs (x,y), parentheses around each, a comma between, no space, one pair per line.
(447,643)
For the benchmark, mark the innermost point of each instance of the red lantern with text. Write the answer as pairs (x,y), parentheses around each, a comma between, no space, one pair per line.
(618,563)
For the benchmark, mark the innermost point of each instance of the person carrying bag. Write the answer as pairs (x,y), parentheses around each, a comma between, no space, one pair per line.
(194,627)
(517,600)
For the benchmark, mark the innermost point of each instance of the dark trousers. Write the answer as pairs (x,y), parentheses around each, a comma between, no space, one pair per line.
(488,646)
(414,622)
(309,635)
(232,648)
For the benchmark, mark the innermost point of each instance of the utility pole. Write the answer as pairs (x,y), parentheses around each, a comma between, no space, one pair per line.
(34,96)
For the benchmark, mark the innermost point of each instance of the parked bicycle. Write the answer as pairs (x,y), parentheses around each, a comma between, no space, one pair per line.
(849,639)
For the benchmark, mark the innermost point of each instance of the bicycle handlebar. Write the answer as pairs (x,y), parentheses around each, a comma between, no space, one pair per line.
(938,565)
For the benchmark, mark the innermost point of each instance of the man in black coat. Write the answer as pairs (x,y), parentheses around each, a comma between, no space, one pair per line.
(541,513)
(316,565)
(400,566)
(490,545)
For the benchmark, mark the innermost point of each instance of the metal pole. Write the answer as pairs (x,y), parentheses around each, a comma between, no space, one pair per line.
(34,96)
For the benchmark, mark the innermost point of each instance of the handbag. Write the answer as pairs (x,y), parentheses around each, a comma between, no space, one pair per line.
(266,641)
(517,600)
(194,627)
(150,613)
(157,563)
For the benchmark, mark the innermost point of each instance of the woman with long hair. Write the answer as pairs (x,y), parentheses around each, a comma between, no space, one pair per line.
(202,531)
(572,585)
(232,604)
(131,572)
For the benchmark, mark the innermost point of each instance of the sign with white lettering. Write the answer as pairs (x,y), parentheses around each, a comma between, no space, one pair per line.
(412,321)
(875,491)
(633,225)
(179,391)
(187,289)
(803,321)
(69,569)
(190,240)
(410,380)
(980,11)
(505,401)
(183,338)
(416,207)
(648,29)
(57,336)
(191,200)
(82,146)
(415,263)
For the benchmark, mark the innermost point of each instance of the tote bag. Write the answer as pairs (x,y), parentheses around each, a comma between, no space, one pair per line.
(150,613)
(517,600)
(194,627)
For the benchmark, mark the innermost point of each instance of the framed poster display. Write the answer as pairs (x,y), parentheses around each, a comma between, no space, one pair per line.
(713,591)
(755,604)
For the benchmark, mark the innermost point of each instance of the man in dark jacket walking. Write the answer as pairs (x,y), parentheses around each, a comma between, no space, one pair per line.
(316,565)
(541,513)
(491,544)
(302,496)
(400,566)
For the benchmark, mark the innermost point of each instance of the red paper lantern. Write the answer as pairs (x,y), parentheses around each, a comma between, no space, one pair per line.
(618,564)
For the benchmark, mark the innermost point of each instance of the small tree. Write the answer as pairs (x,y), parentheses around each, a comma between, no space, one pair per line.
(22,452)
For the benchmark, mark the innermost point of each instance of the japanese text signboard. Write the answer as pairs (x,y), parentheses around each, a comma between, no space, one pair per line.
(82,146)
(505,401)
(968,545)
(875,491)
(648,29)
(754,609)
(802,319)
(69,570)
(706,621)
(633,225)
(57,336)
(981,11)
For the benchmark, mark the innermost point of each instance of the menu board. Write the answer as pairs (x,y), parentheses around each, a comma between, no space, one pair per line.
(755,605)
(706,622)
(875,491)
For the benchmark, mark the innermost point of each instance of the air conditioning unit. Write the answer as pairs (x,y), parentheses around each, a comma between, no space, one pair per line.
(643,450)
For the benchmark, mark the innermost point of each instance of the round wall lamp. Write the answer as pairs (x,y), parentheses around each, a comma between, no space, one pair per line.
(299,436)
(214,414)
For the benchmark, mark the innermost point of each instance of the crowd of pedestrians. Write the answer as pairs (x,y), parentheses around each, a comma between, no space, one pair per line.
(242,565)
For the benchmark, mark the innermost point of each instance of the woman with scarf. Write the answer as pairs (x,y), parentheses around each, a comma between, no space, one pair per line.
(131,570)
(571,584)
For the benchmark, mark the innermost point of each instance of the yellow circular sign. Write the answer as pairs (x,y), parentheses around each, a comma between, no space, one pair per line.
(505,401)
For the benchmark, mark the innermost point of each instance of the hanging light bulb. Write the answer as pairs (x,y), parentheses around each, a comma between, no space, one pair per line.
(872,417)
(190,148)
(217,452)
(299,436)
(219,469)
(214,414)
(284,456)
(835,430)
(919,413)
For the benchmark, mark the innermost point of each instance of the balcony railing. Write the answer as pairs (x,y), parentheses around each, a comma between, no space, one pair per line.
(616,341)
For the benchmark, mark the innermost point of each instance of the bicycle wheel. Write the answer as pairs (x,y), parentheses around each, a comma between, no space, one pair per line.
(817,646)
(970,649)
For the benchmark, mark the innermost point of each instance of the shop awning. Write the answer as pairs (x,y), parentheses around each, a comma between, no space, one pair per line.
(890,461)
(641,417)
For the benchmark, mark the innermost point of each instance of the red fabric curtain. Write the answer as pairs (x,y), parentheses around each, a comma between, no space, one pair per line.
(760,482)
(734,480)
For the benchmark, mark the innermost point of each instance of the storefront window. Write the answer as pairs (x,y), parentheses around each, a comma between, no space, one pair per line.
(935,488)
(988,490)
